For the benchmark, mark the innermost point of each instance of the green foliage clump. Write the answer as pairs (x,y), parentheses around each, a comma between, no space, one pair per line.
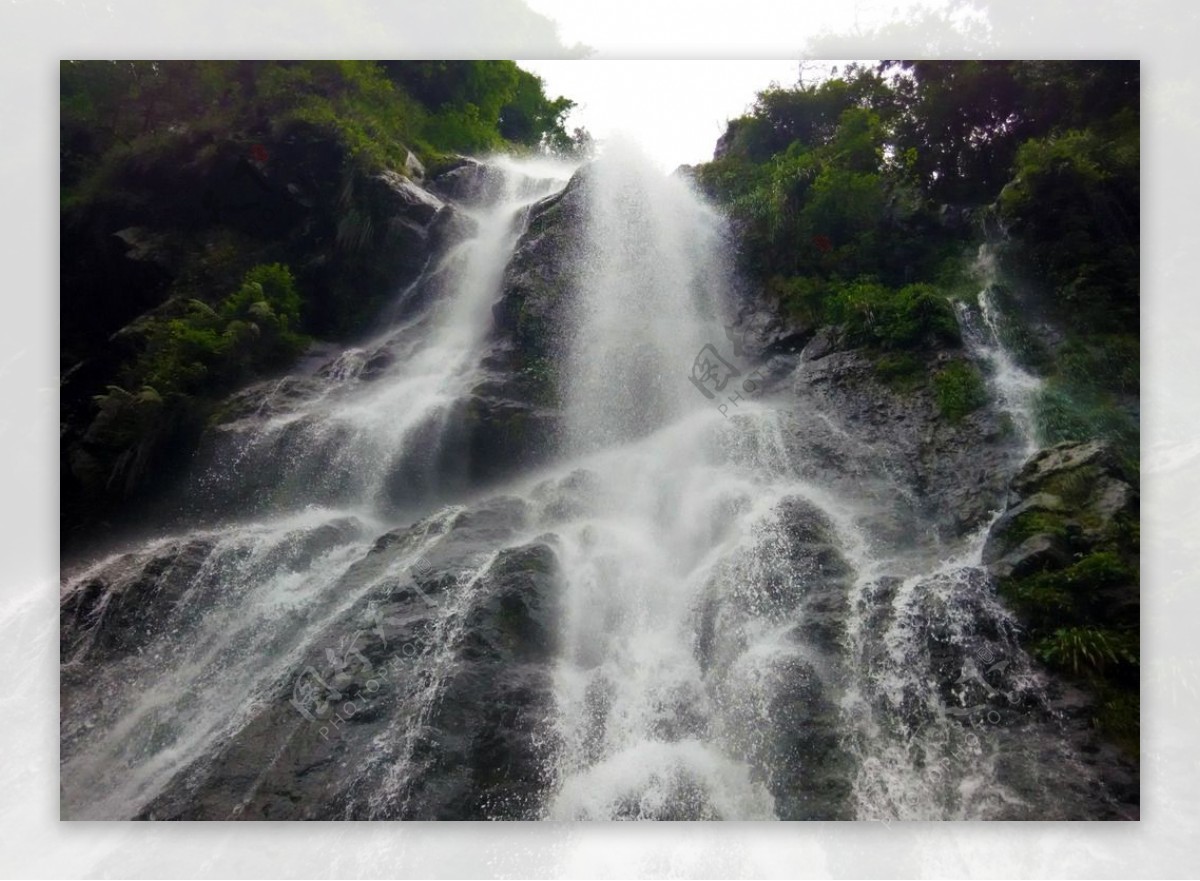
(1119,716)
(1080,621)
(802,297)
(1074,201)
(959,390)
(476,106)
(1032,523)
(191,355)
(353,102)
(114,114)
(1086,649)
(1101,362)
(1067,595)
(903,318)
(806,177)
(206,349)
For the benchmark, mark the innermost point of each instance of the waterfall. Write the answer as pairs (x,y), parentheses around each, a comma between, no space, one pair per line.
(376,415)
(713,603)
(984,331)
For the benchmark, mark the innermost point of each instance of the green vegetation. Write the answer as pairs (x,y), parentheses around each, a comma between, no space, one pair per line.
(117,113)
(1073,200)
(190,354)
(959,390)
(907,318)
(1066,410)
(1072,205)
(1080,624)
(1086,649)
(857,200)
(900,371)
(201,349)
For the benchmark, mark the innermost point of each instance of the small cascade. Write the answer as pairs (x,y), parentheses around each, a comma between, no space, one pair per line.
(374,425)
(985,329)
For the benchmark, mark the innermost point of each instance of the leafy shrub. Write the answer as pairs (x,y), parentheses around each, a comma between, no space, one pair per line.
(1119,716)
(893,319)
(1032,523)
(1065,596)
(1101,362)
(1074,201)
(206,348)
(959,390)
(803,297)
(1087,649)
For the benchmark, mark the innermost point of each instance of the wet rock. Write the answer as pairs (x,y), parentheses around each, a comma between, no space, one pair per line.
(413,166)
(1072,497)
(408,200)
(895,446)
(1037,553)
(124,605)
(150,247)
(468,181)
(487,753)
(810,773)
(794,575)
(434,690)
(533,315)
(823,343)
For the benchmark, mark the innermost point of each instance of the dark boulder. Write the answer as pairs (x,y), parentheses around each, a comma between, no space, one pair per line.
(1065,502)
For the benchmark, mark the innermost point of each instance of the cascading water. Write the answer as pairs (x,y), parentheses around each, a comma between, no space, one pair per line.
(1013,387)
(258,593)
(375,415)
(715,603)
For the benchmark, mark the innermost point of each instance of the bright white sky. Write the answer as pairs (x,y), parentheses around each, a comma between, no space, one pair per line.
(715,28)
(675,109)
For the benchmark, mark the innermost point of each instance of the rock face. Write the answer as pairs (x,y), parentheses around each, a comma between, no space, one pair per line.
(511,417)
(414,671)
(1064,503)
(800,576)
(954,471)
(434,684)
(533,314)
(1065,555)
